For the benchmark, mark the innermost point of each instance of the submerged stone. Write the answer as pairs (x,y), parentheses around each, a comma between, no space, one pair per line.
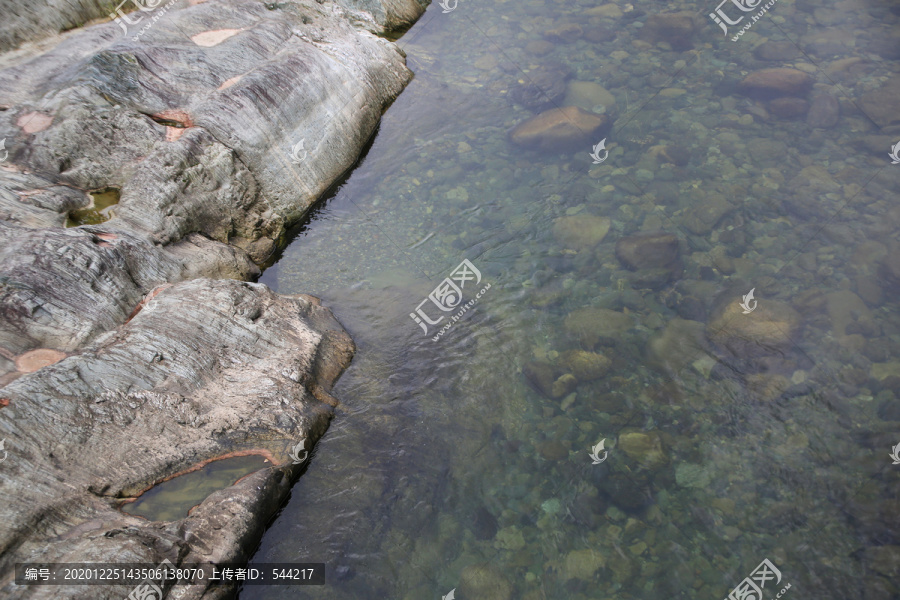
(483,582)
(650,250)
(580,231)
(770,83)
(676,29)
(590,325)
(585,366)
(561,129)
(770,327)
(824,112)
(645,448)
(583,564)
(588,95)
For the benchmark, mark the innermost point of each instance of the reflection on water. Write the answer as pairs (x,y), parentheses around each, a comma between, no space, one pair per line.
(737,431)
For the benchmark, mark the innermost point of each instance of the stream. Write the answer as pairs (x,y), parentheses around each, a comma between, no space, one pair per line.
(463,460)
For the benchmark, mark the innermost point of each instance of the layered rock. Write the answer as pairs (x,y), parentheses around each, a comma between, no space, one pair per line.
(217,125)
(214,368)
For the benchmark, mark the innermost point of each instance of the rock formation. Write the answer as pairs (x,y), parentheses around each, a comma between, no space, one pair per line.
(131,349)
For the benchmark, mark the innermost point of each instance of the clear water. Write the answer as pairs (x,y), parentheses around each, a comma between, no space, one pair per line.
(100,210)
(444,456)
(173,499)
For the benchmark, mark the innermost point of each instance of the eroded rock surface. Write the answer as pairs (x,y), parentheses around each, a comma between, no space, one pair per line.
(130,351)
(215,367)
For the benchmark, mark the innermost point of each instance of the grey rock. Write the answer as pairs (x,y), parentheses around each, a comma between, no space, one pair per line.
(179,384)
(105,391)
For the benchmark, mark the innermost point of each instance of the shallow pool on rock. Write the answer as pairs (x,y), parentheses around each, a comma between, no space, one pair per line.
(171,500)
(98,212)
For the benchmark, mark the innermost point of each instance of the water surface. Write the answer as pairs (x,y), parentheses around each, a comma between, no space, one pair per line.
(447,463)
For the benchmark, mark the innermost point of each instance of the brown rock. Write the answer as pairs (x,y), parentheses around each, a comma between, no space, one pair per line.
(650,250)
(771,83)
(770,327)
(559,129)
(824,112)
(585,366)
(580,231)
(788,107)
(676,29)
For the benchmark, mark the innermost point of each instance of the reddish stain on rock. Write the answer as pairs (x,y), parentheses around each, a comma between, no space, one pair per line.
(34,122)
(33,360)
(146,300)
(173,133)
(229,82)
(4,402)
(213,37)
